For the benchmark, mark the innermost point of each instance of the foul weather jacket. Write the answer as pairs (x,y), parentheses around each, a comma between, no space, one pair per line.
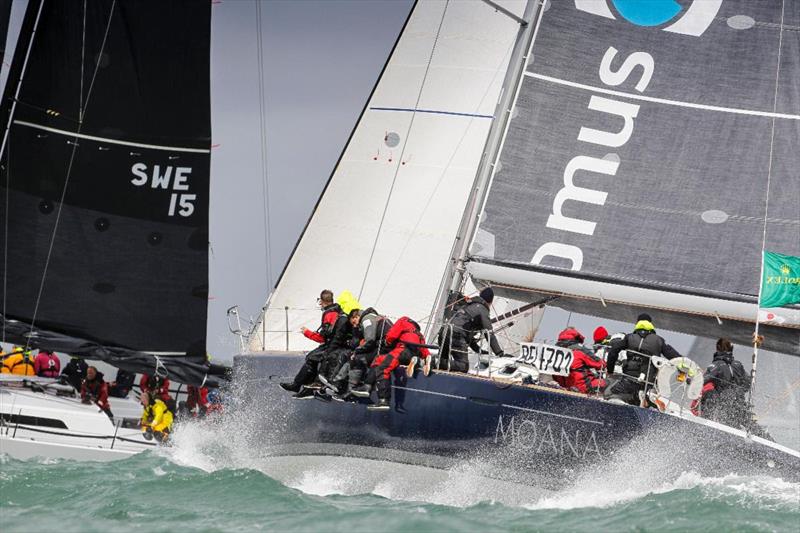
(330,318)
(473,318)
(162,392)
(405,340)
(96,390)
(643,340)
(157,416)
(47,365)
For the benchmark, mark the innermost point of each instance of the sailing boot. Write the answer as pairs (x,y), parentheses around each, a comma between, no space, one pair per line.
(304,394)
(382,405)
(361,391)
(384,388)
(290,387)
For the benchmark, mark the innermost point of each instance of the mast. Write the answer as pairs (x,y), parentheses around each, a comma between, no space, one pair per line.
(454,274)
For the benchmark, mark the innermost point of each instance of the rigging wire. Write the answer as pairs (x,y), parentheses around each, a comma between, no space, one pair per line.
(263,125)
(766,209)
(81,111)
(403,150)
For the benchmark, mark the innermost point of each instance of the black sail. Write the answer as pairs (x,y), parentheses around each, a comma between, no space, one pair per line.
(105,182)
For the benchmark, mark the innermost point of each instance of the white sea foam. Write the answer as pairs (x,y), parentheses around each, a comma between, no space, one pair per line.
(643,468)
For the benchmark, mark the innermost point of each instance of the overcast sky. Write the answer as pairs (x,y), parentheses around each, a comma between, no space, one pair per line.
(320,62)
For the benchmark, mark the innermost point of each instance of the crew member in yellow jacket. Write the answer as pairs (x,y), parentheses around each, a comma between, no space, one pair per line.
(19,361)
(156,418)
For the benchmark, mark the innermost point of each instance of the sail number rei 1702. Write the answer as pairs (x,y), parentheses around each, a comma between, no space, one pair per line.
(174,178)
(547,359)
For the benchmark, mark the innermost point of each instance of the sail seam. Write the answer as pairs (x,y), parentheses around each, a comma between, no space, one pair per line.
(112,141)
(431,111)
(667,101)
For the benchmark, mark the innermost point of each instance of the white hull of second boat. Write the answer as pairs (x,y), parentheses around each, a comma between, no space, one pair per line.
(43,424)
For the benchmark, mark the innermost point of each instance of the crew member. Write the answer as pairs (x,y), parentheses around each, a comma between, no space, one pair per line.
(122,384)
(406,342)
(158,385)
(75,372)
(467,322)
(331,315)
(637,371)
(156,419)
(95,390)
(725,387)
(20,362)
(373,329)
(47,364)
(602,343)
(584,370)
(339,347)
(196,398)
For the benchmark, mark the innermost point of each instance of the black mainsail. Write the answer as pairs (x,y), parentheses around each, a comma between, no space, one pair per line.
(105,183)
(649,157)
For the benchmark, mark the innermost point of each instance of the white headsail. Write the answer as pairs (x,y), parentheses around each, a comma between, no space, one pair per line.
(385,224)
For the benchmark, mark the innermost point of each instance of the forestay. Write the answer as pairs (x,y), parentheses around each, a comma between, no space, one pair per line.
(386,221)
(105,180)
(644,150)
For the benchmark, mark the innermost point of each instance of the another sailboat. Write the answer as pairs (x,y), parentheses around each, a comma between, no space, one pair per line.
(633,161)
(104,203)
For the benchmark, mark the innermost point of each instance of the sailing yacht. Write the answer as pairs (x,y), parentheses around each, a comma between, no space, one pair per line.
(104,191)
(602,157)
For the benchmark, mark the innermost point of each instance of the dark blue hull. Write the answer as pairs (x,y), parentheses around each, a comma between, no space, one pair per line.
(512,431)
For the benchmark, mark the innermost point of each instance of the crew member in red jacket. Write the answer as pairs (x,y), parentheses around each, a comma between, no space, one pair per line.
(326,333)
(583,373)
(95,389)
(47,364)
(158,386)
(405,342)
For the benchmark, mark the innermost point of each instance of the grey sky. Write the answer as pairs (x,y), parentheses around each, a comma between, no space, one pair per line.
(321,60)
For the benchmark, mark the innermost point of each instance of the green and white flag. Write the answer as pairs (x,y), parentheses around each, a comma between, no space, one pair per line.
(780,284)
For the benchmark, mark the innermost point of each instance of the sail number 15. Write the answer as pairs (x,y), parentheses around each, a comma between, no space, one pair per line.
(546,358)
(169,178)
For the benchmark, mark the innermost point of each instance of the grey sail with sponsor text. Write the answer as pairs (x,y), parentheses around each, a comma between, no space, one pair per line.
(105,181)
(651,155)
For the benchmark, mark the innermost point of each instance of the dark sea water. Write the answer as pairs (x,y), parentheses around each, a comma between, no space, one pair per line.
(214,479)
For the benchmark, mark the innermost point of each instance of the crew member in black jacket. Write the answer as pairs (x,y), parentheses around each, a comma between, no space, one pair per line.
(467,322)
(637,370)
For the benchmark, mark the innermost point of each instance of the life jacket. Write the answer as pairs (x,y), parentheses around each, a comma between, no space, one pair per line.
(468,317)
(643,342)
(47,365)
(19,363)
